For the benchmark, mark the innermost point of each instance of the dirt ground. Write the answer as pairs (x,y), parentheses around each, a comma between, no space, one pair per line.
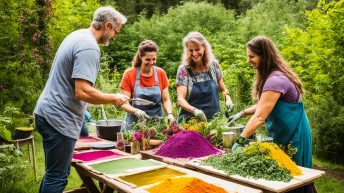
(333,173)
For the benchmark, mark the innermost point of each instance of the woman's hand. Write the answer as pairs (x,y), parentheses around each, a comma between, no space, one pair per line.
(141,114)
(170,118)
(235,117)
(199,114)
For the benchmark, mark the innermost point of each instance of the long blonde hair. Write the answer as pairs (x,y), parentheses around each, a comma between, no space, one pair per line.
(145,46)
(198,39)
(271,60)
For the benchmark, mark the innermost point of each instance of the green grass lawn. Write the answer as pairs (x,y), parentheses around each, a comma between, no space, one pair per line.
(324,184)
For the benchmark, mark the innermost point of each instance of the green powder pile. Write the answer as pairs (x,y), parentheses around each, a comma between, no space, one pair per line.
(122,165)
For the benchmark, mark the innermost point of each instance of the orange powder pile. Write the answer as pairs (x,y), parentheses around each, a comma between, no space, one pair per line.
(185,185)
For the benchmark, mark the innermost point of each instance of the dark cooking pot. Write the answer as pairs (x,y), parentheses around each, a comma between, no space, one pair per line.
(108,129)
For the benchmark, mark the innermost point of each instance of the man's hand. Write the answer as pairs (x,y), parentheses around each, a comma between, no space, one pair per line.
(199,114)
(141,114)
(120,99)
(234,118)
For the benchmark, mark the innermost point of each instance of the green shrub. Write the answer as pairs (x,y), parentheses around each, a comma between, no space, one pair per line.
(327,123)
(11,171)
(168,32)
(316,54)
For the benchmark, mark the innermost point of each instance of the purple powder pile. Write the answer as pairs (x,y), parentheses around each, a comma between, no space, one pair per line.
(187,144)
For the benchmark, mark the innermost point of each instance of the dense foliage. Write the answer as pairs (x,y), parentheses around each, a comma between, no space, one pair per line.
(316,53)
(310,37)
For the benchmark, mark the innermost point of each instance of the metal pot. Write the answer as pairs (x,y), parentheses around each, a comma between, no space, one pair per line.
(236,130)
(228,139)
(108,129)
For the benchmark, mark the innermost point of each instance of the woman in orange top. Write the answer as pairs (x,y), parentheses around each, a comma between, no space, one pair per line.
(146,81)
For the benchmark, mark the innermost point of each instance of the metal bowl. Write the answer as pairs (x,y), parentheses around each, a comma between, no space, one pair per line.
(236,130)
(103,146)
(108,129)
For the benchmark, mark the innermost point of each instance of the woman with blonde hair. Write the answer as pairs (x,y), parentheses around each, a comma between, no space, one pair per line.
(199,80)
(146,81)
(278,95)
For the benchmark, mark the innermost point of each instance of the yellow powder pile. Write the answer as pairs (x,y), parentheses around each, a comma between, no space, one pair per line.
(185,185)
(282,159)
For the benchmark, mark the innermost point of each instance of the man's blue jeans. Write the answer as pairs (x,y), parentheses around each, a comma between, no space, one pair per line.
(58,151)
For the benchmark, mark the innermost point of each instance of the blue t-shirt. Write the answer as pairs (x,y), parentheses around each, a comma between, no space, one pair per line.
(78,57)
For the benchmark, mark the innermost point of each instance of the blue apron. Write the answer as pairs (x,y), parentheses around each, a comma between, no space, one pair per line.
(288,123)
(149,93)
(204,96)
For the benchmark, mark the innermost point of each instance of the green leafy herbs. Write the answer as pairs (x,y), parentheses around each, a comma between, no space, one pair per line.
(254,166)
(218,125)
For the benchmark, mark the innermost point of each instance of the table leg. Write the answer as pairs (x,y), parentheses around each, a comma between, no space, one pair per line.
(34,157)
(88,182)
(107,189)
(28,150)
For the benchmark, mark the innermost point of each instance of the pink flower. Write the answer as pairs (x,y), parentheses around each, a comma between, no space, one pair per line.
(138,136)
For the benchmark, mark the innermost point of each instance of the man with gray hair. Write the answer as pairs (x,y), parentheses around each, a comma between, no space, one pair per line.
(60,108)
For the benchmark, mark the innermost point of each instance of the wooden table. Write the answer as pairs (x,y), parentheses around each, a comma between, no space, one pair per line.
(149,154)
(110,184)
(82,144)
(308,176)
(87,176)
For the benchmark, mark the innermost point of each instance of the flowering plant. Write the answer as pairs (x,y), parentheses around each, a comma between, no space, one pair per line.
(138,136)
(144,132)
(171,130)
(201,127)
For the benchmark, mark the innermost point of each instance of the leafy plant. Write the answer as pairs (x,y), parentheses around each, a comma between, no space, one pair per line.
(218,125)
(11,170)
(128,135)
(254,161)
(4,133)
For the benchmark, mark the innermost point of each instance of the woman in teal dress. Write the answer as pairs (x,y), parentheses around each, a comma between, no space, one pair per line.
(278,95)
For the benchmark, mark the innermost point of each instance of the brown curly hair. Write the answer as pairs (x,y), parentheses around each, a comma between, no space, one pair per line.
(145,46)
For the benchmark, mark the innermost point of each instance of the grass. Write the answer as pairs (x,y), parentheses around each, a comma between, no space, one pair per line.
(323,184)
(327,165)
(326,183)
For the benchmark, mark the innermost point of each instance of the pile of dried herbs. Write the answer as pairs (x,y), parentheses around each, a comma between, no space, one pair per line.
(255,165)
